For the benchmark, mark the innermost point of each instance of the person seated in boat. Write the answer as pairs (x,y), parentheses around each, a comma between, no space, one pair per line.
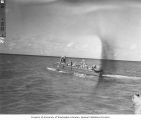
(74,64)
(62,62)
(70,63)
(83,64)
(63,59)
(93,67)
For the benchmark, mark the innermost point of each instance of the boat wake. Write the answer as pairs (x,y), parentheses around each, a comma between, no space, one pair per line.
(122,77)
(106,75)
(62,71)
(109,76)
(52,69)
(55,70)
(80,75)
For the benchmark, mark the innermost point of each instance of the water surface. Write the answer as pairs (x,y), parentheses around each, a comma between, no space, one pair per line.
(27,87)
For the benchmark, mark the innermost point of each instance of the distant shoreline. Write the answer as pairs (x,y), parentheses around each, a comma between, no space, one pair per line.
(44,56)
(66,56)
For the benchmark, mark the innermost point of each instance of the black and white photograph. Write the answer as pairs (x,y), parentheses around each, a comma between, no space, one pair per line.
(70,57)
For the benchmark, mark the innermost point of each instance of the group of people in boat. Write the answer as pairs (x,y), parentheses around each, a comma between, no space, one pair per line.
(81,65)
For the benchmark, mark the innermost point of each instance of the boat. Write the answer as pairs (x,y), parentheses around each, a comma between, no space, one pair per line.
(76,69)
(80,68)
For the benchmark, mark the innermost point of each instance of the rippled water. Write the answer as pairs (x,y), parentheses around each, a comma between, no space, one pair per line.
(27,87)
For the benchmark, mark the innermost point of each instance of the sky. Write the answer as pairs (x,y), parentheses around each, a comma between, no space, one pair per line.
(107,29)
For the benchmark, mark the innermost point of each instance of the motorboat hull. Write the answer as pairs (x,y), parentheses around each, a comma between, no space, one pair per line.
(75,69)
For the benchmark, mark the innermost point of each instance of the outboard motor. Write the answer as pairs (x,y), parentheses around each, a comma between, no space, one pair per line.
(97,68)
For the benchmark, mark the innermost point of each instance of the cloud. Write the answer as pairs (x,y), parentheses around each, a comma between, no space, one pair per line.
(91,8)
(34,1)
(70,44)
(88,6)
(85,46)
(132,47)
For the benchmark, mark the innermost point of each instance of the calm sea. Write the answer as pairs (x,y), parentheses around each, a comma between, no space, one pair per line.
(27,87)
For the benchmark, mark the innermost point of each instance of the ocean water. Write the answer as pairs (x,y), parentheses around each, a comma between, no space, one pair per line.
(27,87)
